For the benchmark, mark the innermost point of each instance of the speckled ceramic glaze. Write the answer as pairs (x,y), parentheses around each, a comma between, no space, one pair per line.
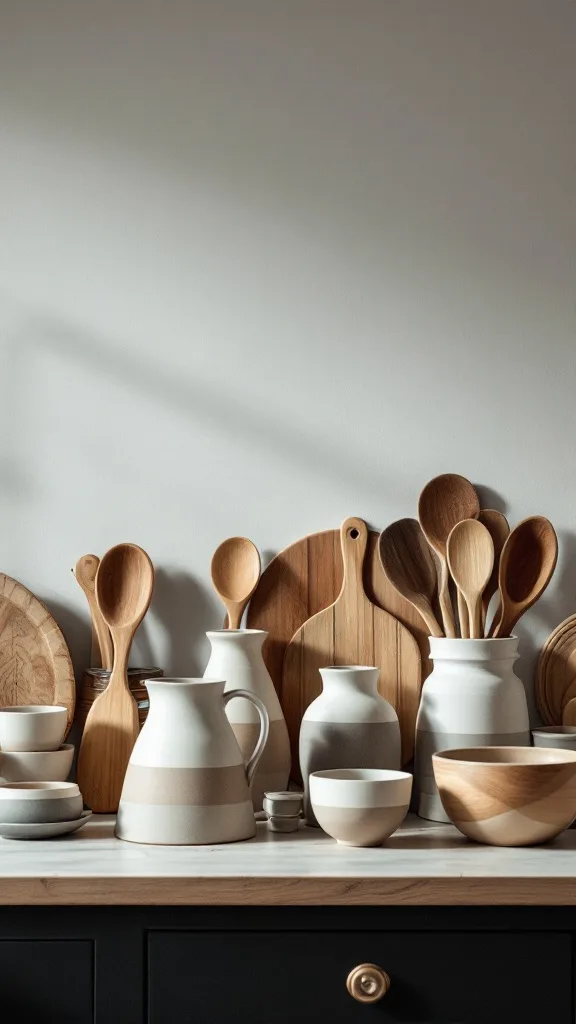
(348,726)
(30,803)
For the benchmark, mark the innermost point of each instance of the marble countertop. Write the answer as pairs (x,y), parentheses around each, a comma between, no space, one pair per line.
(422,864)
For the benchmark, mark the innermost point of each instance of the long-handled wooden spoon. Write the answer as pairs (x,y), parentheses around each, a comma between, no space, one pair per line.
(527,562)
(235,571)
(498,528)
(445,501)
(85,573)
(470,554)
(407,562)
(124,585)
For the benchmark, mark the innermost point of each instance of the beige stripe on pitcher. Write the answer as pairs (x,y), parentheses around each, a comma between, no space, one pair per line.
(195,786)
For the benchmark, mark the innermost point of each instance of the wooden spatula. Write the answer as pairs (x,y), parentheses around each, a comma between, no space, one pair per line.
(353,631)
(124,585)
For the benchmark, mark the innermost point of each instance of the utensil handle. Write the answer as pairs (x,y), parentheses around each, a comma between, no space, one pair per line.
(260,706)
(445,603)
(463,616)
(353,540)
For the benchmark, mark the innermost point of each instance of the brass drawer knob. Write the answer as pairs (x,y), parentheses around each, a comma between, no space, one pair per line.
(367,983)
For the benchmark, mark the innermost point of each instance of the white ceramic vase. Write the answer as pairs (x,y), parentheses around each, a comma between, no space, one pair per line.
(187,782)
(472,698)
(237,657)
(349,725)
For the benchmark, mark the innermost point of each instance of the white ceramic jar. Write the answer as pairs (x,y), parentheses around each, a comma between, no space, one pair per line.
(472,698)
(349,725)
(237,657)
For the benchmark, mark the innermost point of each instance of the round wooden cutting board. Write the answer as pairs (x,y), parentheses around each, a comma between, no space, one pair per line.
(35,665)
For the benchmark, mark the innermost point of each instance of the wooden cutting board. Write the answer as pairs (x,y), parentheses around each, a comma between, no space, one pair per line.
(353,631)
(555,671)
(35,665)
(306,577)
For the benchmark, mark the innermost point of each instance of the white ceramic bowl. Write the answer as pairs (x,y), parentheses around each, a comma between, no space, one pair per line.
(360,806)
(33,727)
(36,766)
(30,803)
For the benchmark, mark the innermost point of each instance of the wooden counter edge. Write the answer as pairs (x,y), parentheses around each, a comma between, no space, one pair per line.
(251,891)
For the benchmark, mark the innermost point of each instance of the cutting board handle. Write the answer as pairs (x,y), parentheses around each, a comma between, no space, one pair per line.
(354,540)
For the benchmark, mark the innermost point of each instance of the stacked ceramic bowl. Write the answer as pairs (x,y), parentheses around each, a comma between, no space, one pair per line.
(35,801)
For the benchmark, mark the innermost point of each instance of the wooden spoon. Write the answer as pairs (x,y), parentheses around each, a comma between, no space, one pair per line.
(498,527)
(85,573)
(445,501)
(124,585)
(408,564)
(471,559)
(527,562)
(235,571)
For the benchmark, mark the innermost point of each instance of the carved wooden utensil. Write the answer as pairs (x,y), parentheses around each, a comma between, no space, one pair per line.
(498,528)
(85,573)
(527,562)
(408,564)
(124,585)
(445,501)
(235,571)
(470,554)
(353,631)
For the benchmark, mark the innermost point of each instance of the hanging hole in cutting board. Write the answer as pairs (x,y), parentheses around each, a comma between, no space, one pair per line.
(354,533)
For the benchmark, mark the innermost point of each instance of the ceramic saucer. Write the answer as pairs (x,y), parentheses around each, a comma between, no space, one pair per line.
(43,830)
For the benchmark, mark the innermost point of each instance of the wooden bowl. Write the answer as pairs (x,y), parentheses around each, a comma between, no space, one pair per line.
(508,796)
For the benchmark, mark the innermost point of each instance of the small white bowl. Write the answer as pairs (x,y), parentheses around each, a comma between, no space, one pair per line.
(37,765)
(33,727)
(29,803)
(360,806)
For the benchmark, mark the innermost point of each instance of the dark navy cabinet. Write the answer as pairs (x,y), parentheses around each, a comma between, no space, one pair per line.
(203,965)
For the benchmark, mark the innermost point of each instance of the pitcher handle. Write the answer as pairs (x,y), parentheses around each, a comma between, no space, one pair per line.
(260,706)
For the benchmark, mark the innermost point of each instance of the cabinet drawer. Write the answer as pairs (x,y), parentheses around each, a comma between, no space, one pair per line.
(47,981)
(436,978)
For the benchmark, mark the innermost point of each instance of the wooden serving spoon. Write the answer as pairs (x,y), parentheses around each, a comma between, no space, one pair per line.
(85,573)
(408,564)
(124,585)
(471,559)
(445,501)
(527,562)
(498,527)
(235,571)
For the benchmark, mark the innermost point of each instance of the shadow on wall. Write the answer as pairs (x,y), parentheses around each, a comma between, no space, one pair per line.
(183,606)
(273,438)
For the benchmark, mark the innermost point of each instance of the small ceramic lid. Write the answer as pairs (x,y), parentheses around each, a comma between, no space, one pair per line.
(284,794)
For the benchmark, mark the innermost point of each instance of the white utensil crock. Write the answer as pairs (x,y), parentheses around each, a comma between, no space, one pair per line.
(237,657)
(472,698)
(349,725)
(187,782)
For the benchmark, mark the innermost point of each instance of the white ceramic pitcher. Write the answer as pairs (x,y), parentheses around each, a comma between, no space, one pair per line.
(237,657)
(187,782)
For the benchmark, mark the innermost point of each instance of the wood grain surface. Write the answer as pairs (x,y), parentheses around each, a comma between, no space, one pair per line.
(555,671)
(353,631)
(35,665)
(306,577)
(124,585)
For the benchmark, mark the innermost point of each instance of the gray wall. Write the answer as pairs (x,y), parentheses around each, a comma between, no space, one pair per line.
(267,263)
